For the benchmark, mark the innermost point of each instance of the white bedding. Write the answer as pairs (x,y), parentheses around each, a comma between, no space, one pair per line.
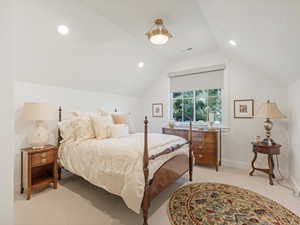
(116,164)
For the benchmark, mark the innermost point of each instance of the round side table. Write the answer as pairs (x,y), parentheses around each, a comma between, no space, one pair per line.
(269,150)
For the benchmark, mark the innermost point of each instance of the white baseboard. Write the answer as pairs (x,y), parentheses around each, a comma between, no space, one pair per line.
(295,185)
(235,164)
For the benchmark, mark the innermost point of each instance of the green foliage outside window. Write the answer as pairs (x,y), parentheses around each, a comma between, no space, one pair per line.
(196,105)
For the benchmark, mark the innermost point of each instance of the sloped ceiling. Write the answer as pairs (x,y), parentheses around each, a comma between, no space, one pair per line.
(105,43)
(107,39)
(267,33)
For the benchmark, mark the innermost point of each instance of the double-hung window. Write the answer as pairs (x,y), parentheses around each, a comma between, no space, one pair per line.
(196,94)
(197,105)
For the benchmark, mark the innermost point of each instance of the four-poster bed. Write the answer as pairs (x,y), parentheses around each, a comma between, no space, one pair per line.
(166,174)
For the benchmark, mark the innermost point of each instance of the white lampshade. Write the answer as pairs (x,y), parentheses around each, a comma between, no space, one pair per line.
(38,111)
(270,110)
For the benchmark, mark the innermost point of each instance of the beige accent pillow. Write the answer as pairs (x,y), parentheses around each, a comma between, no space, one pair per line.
(78,129)
(119,130)
(103,113)
(124,118)
(101,126)
(67,130)
(83,129)
(85,114)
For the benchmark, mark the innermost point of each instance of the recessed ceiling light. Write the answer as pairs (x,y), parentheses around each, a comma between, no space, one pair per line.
(232,43)
(63,29)
(141,64)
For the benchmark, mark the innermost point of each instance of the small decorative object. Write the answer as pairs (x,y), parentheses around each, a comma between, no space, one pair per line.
(244,109)
(257,140)
(157,110)
(158,33)
(211,119)
(38,112)
(269,111)
(171,124)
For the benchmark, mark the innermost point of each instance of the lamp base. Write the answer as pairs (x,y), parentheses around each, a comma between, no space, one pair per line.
(38,137)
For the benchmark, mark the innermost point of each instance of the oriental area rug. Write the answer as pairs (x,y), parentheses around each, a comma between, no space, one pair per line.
(221,204)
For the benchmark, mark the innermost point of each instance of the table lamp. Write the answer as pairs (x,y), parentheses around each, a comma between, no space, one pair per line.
(269,111)
(38,112)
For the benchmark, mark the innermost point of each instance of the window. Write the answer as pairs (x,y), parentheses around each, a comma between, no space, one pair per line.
(197,105)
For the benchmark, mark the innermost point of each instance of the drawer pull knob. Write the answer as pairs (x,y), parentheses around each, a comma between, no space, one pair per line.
(44,155)
(43,160)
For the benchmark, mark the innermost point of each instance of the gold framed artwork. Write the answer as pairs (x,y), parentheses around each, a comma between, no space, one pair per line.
(244,109)
(157,110)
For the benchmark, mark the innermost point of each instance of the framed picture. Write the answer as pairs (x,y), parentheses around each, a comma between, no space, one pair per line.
(244,109)
(157,110)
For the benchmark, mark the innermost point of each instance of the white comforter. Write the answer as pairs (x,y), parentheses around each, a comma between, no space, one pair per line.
(116,164)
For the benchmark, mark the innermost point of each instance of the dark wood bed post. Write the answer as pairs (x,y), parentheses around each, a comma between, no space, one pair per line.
(59,140)
(146,200)
(190,152)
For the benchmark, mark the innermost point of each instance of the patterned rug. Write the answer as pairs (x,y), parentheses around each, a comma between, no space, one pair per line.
(221,204)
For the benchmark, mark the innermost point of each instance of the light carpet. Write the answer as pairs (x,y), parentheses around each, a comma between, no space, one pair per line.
(77,202)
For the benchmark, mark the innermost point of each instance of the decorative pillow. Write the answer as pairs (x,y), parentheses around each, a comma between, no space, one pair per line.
(119,130)
(83,128)
(101,126)
(85,114)
(67,130)
(124,118)
(103,113)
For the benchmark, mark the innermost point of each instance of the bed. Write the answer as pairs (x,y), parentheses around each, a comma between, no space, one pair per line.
(137,167)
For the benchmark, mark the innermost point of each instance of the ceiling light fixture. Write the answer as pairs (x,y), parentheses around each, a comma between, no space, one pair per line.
(141,64)
(158,33)
(63,30)
(232,43)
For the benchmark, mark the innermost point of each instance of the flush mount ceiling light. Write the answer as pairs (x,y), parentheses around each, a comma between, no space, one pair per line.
(63,30)
(158,33)
(232,43)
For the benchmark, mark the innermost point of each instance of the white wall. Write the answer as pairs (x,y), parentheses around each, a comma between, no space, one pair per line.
(294,132)
(6,115)
(70,100)
(241,82)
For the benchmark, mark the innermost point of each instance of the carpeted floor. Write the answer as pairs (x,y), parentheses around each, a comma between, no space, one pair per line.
(76,202)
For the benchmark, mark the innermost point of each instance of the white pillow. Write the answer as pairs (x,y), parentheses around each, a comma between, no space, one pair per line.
(119,130)
(101,126)
(124,118)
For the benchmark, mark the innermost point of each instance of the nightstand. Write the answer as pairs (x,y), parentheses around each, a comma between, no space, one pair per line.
(38,168)
(270,151)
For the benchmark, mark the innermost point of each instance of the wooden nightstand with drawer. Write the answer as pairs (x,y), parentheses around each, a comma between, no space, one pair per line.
(38,168)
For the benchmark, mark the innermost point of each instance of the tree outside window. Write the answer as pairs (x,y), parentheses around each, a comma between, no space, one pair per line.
(196,105)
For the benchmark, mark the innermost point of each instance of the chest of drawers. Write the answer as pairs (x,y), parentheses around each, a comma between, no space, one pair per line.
(205,145)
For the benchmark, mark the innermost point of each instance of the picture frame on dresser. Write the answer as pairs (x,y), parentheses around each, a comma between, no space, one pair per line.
(157,110)
(243,109)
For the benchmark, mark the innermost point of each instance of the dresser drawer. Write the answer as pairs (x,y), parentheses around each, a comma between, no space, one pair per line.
(211,137)
(197,137)
(205,158)
(43,158)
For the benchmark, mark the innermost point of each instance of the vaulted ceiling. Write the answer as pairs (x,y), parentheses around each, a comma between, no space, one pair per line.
(267,33)
(107,41)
